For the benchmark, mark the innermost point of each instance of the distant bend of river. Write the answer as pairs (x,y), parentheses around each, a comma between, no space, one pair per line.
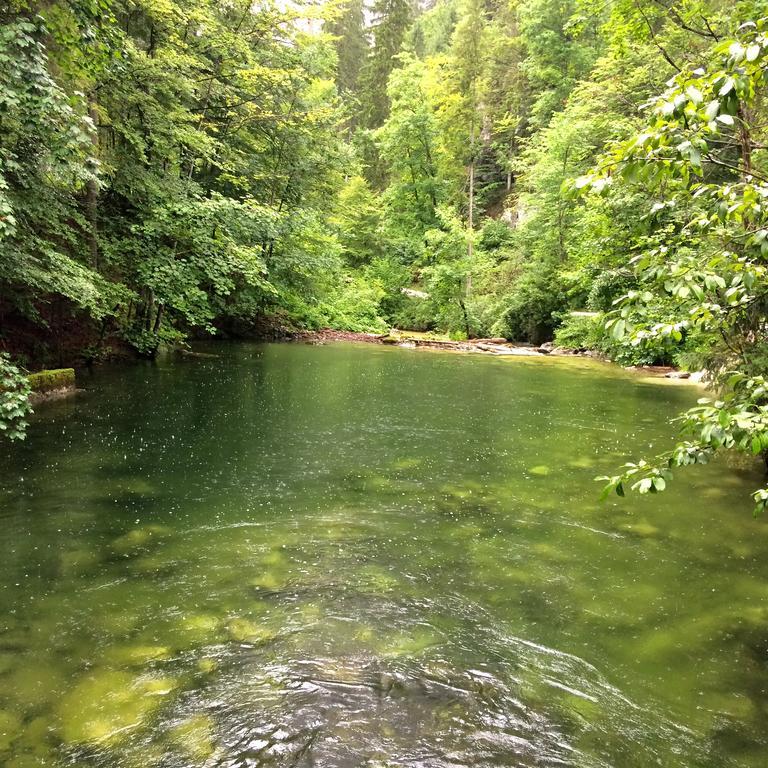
(350,555)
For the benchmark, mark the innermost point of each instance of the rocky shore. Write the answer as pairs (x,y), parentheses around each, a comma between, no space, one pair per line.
(490,346)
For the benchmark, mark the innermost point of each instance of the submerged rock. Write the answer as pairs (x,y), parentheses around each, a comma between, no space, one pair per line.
(34,682)
(104,707)
(245,631)
(10,729)
(194,737)
(207,666)
(76,561)
(136,655)
(269,581)
(196,630)
(408,644)
(139,539)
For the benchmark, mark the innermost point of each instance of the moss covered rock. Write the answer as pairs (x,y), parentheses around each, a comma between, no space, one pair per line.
(136,655)
(244,631)
(10,728)
(139,539)
(48,381)
(107,705)
(194,737)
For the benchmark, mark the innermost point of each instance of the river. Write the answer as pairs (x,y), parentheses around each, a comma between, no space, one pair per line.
(351,555)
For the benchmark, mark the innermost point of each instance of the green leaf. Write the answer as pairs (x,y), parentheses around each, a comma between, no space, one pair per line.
(618,329)
(694,94)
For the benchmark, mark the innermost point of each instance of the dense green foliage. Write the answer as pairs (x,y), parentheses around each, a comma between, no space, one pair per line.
(14,400)
(701,271)
(166,168)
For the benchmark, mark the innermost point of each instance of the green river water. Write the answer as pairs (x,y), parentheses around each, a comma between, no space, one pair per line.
(348,556)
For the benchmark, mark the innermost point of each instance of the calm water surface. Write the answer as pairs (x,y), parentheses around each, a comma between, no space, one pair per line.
(350,556)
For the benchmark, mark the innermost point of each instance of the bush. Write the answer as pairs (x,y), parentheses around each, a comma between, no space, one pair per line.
(413,314)
(14,400)
(588,332)
(580,332)
(530,312)
(495,234)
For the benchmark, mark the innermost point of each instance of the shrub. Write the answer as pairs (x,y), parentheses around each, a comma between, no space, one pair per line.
(580,332)
(14,400)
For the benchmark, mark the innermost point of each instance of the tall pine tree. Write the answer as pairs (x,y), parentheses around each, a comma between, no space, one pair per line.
(392,19)
(351,44)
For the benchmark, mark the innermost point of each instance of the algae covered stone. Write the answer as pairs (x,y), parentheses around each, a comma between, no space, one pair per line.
(139,539)
(194,737)
(136,655)
(10,728)
(269,581)
(108,704)
(245,631)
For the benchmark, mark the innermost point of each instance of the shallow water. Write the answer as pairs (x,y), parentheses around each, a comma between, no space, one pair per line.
(353,556)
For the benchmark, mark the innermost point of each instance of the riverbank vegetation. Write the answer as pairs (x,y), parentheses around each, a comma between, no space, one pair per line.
(508,169)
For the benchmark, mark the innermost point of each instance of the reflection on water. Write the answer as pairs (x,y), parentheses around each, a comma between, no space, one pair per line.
(359,556)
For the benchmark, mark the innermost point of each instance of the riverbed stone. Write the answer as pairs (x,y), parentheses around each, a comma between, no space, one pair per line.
(136,655)
(107,705)
(33,683)
(269,581)
(7,661)
(139,539)
(10,728)
(408,643)
(194,737)
(207,666)
(245,631)
(77,561)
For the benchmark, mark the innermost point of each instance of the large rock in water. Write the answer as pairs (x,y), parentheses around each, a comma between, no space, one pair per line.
(47,381)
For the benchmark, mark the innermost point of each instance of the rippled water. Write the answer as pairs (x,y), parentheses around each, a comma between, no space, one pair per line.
(361,556)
